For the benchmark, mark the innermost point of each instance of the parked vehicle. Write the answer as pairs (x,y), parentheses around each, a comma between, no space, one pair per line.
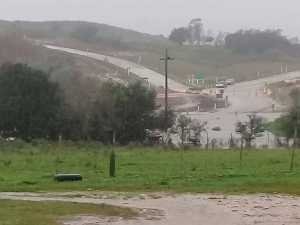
(220,93)
(216,128)
(220,85)
(230,81)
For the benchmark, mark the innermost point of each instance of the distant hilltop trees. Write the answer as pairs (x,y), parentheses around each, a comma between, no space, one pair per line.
(195,34)
(251,41)
(258,42)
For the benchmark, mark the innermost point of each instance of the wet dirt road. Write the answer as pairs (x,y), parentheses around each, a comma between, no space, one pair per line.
(169,209)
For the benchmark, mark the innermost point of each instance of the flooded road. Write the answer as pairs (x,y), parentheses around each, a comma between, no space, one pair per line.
(244,98)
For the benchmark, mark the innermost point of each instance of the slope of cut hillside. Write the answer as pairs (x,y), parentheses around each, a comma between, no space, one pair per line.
(147,50)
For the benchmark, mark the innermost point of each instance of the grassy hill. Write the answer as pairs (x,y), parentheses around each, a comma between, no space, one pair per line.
(212,61)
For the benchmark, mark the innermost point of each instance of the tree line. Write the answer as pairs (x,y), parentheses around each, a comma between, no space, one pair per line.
(33,106)
(251,41)
(262,41)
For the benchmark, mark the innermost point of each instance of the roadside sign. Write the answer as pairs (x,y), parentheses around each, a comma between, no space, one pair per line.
(199,76)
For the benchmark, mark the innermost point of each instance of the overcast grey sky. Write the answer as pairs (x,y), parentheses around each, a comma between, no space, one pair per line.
(160,16)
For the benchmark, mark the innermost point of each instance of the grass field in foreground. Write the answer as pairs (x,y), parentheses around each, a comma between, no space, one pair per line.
(49,213)
(31,168)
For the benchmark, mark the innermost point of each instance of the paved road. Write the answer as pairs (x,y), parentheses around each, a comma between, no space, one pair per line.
(154,78)
(245,98)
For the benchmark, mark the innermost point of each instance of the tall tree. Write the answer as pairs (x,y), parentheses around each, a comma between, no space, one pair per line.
(256,41)
(283,127)
(288,125)
(179,35)
(30,104)
(122,114)
(107,114)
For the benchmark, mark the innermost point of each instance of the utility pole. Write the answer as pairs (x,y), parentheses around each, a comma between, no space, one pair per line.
(166,59)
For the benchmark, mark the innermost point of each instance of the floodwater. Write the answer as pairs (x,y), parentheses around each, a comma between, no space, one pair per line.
(245,98)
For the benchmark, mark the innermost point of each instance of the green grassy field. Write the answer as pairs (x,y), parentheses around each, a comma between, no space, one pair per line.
(49,213)
(31,168)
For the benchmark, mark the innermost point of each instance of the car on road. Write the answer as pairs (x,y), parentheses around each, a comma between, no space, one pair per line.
(217,128)
(220,85)
(230,81)
(220,92)
(219,96)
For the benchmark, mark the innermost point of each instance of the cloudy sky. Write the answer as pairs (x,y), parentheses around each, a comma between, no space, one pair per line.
(160,16)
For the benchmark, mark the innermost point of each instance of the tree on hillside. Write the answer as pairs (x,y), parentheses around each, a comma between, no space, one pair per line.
(30,105)
(86,33)
(256,41)
(179,35)
(220,39)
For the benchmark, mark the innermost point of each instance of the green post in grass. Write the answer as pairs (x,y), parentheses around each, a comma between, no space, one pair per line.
(112,164)
(241,152)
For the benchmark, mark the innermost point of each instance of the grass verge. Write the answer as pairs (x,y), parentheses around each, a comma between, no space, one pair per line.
(31,168)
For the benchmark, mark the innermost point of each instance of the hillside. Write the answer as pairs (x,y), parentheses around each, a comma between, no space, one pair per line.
(78,77)
(17,47)
(147,49)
